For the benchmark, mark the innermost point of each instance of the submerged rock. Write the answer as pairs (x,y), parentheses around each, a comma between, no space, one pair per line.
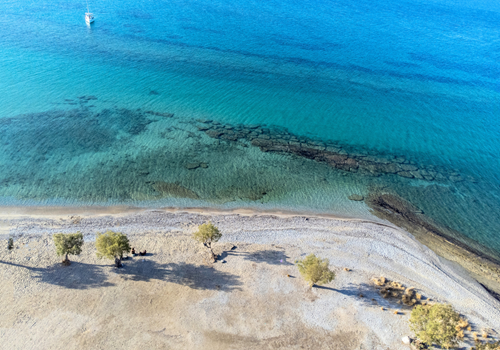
(356,197)
(160,114)
(174,190)
(192,166)
(364,161)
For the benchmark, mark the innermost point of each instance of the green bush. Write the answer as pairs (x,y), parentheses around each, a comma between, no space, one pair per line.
(112,245)
(436,324)
(495,345)
(10,243)
(315,270)
(207,234)
(68,243)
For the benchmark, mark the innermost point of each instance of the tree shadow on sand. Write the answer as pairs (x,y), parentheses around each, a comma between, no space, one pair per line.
(75,276)
(268,256)
(363,292)
(193,276)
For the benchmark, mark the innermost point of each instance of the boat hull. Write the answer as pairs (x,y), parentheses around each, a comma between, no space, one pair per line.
(89,18)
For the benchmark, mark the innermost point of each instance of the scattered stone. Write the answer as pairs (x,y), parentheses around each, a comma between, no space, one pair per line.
(406,340)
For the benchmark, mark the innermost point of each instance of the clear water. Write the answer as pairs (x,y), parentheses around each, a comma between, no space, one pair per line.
(413,78)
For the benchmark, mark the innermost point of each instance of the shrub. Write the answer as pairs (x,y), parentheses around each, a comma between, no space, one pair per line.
(10,243)
(68,243)
(111,245)
(435,324)
(207,234)
(495,345)
(315,270)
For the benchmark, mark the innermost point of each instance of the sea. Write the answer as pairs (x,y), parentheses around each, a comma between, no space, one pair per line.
(159,104)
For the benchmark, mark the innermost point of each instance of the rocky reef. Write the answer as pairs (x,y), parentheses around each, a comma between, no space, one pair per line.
(342,157)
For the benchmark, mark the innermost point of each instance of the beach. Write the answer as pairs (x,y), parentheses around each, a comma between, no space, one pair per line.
(253,297)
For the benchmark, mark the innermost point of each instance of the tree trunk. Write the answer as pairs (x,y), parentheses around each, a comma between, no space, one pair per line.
(213,257)
(66,261)
(118,262)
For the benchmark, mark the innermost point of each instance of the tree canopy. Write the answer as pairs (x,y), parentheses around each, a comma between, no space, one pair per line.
(112,245)
(436,324)
(207,234)
(315,270)
(68,243)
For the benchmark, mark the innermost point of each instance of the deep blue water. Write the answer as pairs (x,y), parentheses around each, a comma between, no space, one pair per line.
(419,79)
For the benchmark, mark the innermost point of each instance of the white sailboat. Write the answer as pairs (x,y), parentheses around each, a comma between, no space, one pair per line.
(89,17)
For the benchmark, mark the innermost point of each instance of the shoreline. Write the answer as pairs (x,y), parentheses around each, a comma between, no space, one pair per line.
(484,270)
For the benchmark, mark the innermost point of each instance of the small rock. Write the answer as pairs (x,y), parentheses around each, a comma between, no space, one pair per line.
(192,166)
(405,174)
(356,197)
(406,340)
(408,167)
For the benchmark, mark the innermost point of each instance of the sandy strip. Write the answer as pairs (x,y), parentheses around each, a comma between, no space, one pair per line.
(253,276)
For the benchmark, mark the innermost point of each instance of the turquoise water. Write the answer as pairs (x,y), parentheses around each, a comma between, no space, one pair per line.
(110,114)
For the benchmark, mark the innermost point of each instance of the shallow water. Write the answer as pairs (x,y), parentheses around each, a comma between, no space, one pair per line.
(85,112)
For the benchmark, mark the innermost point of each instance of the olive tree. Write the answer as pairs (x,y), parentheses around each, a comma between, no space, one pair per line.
(436,324)
(315,270)
(111,245)
(207,234)
(68,243)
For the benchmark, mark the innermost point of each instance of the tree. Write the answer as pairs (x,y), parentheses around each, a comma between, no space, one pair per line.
(207,234)
(315,270)
(111,245)
(437,324)
(68,243)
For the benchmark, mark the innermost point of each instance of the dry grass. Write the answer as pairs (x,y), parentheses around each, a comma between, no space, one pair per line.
(474,336)
(396,290)
(463,323)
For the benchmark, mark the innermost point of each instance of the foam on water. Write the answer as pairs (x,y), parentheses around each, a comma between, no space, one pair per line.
(412,78)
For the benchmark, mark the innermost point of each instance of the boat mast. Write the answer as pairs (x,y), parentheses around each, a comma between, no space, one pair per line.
(88,11)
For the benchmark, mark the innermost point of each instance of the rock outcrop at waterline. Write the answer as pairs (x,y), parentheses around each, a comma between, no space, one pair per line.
(485,268)
(335,155)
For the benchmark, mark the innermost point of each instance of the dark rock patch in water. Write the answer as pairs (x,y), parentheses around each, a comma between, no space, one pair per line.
(161,114)
(174,190)
(347,159)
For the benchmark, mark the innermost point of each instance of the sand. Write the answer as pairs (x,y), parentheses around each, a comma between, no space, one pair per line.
(174,298)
